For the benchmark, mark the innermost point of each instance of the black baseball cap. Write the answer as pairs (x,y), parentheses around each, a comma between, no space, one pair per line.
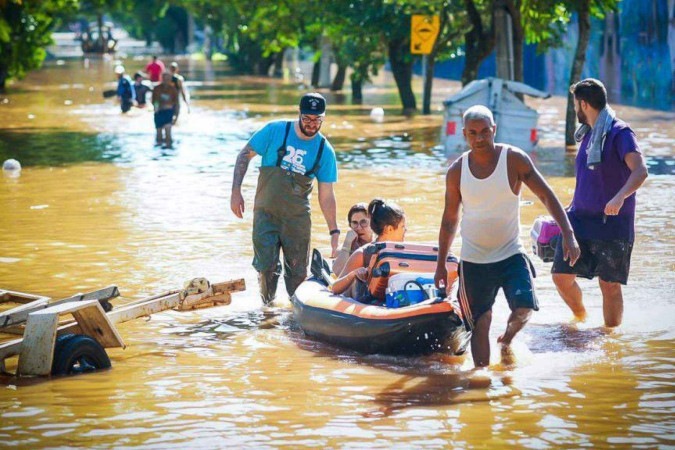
(313,103)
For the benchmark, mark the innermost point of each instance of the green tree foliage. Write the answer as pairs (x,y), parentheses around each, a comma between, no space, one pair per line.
(141,19)
(25,32)
(255,33)
(561,13)
(356,41)
(373,28)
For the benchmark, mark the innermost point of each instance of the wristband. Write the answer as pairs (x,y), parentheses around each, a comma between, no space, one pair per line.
(335,231)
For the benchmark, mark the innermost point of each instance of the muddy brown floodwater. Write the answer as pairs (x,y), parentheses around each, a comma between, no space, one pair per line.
(97,204)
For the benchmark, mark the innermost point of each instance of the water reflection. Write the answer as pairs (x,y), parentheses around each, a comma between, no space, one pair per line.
(218,329)
(564,338)
(441,390)
(54,147)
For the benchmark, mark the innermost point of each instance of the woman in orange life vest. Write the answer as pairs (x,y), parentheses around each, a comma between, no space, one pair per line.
(387,221)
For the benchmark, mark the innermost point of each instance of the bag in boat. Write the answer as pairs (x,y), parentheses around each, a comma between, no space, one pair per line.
(544,235)
(389,259)
(405,289)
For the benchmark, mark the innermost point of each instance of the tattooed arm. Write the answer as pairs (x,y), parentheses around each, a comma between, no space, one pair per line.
(240,168)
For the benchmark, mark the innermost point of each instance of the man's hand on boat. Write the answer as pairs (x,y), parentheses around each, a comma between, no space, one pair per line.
(441,276)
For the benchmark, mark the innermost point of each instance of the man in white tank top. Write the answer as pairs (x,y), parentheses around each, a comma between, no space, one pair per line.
(486,182)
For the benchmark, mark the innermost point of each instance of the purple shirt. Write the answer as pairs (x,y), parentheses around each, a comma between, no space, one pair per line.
(597,187)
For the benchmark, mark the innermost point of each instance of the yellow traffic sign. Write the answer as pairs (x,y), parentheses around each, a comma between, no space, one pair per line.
(423,33)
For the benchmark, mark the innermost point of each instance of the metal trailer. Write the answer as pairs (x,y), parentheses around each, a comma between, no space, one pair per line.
(51,346)
(516,122)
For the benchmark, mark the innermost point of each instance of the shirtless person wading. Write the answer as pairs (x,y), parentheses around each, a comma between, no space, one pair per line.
(165,101)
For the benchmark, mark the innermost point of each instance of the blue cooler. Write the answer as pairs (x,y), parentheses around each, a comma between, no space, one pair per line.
(407,289)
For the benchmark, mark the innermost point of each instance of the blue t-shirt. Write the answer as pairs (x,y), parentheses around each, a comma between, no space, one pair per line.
(598,186)
(300,154)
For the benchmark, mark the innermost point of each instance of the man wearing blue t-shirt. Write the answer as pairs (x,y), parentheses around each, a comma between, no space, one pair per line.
(293,154)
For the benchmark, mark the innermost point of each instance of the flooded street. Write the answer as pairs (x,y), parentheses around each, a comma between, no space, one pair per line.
(97,204)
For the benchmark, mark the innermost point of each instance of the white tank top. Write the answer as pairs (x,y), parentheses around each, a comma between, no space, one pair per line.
(490,227)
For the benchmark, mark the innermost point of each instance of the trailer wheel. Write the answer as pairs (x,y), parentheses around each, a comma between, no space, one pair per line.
(78,353)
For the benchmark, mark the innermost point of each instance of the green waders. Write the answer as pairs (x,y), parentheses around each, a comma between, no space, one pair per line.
(282,220)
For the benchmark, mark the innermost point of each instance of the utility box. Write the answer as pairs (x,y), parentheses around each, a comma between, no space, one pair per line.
(516,122)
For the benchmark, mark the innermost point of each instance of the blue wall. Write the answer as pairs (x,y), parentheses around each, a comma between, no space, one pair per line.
(639,71)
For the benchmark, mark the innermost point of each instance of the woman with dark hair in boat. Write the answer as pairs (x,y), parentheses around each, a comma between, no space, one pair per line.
(387,220)
(359,234)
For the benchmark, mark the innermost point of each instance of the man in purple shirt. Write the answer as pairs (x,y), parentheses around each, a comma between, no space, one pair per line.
(610,168)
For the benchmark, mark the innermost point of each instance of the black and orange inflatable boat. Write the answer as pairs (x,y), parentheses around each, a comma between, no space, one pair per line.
(434,325)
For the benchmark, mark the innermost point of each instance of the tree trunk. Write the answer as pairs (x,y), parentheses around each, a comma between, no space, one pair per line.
(479,43)
(513,7)
(316,72)
(278,65)
(99,23)
(357,91)
(577,66)
(428,83)
(265,64)
(402,71)
(340,77)
(472,61)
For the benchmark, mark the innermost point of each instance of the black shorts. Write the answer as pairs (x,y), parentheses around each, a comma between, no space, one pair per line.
(479,283)
(609,260)
(163,117)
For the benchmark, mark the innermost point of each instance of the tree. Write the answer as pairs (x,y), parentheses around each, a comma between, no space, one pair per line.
(381,26)
(479,40)
(141,19)
(585,9)
(452,22)
(356,41)
(25,32)
(396,32)
(584,18)
(257,32)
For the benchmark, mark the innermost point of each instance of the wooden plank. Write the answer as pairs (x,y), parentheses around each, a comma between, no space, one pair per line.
(19,297)
(95,323)
(37,347)
(14,329)
(10,348)
(229,286)
(90,318)
(194,302)
(63,308)
(144,307)
(20,314)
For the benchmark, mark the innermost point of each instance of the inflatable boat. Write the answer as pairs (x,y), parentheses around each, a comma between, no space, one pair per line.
(434,325)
